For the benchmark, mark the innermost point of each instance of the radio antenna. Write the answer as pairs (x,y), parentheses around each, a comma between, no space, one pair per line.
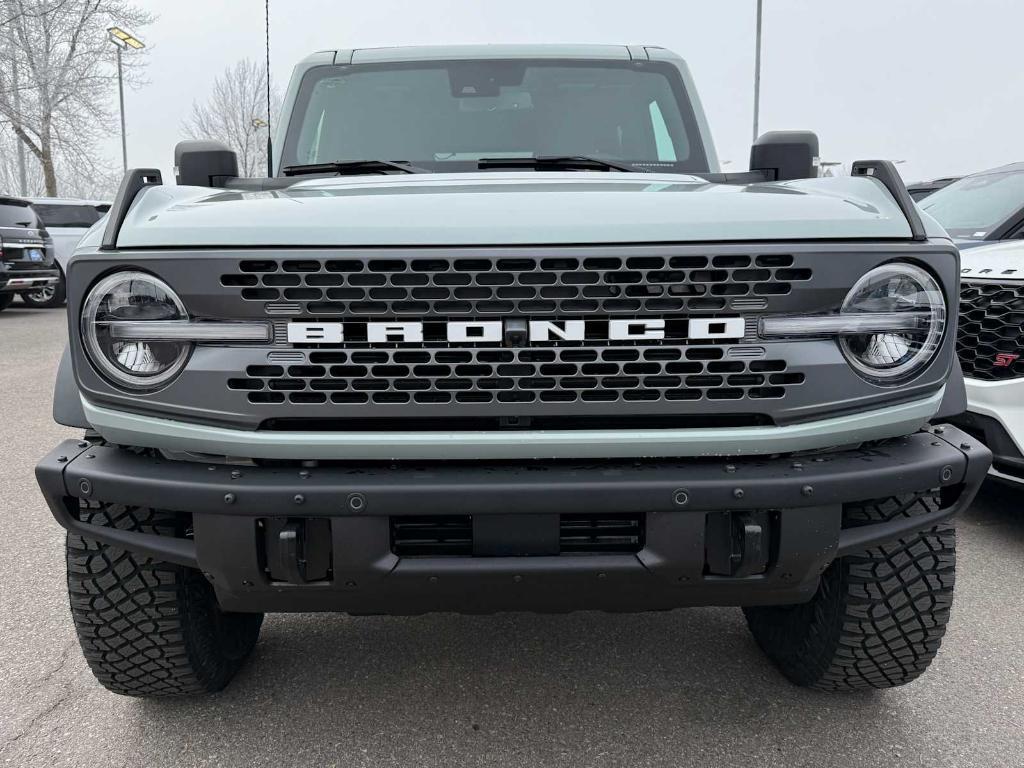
(270,141)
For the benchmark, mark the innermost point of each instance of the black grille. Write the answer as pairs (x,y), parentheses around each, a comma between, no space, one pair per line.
(600,533)
(990,342)
(498,375)
(528,286)
(432,536)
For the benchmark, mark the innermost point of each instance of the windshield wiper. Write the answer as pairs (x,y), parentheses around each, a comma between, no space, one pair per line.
(554,163)
(354,168)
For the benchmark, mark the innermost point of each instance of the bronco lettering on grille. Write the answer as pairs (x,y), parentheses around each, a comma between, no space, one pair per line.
(497,331)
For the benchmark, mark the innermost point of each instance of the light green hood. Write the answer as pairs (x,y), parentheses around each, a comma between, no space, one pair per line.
(513,208)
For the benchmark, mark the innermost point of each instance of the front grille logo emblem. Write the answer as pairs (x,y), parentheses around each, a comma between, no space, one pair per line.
(519,332)
(1005,359)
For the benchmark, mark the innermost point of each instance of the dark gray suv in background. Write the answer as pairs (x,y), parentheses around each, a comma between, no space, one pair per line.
(26,251)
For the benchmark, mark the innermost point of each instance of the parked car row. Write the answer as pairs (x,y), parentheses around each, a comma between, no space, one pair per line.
(37,238)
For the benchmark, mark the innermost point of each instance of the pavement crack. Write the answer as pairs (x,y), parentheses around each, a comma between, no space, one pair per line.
(49,710)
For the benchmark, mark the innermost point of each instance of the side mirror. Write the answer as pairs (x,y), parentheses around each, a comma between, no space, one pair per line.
(785,155)
(204,163)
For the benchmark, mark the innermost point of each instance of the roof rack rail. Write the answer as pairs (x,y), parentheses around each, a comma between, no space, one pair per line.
(134,181)
(885,171)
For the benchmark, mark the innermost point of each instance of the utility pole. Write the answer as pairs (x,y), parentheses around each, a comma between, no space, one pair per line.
(757,70)
(270,138)
(22,177)
(121,97)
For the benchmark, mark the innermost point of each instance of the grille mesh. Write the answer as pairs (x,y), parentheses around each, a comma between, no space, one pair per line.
(498,375)
(990,342)
(421,287)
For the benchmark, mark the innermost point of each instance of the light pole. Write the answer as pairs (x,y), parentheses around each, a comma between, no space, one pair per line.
(121,40)
(757,69)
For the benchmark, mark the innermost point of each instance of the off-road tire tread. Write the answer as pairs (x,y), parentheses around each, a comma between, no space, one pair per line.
(879,615)
(149,628)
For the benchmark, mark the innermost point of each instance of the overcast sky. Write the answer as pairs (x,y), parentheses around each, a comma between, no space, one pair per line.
(937,83)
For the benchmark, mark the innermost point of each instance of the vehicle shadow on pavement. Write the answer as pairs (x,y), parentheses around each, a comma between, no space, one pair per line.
(999,504)
(543,686)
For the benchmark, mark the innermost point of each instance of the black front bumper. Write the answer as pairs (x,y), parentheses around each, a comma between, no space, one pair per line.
(294,539)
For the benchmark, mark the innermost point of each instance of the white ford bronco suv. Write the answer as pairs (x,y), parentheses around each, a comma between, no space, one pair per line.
(498,335)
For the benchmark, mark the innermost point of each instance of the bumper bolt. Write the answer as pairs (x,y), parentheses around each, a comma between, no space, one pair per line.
(235,474)
(940,430)
(85,487)
(229,498)
(737,493)
(681,498)
(965,446)
(797,465)
(350,584)
(62,459)
(356,502)
(83,444)
(517,578)
(299,498)
(807,490)
(947,474)
(432,579)
(730,468)
(90,455)
(304,474)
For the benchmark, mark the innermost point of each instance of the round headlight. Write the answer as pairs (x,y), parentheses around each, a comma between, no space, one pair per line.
(890,357)
(132,297)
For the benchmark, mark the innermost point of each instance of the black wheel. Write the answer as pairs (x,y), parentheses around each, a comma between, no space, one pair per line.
(6,299)
(878,617)
(48,296)
(149,628)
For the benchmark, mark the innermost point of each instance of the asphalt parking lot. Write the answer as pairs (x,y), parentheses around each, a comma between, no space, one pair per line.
(676,689)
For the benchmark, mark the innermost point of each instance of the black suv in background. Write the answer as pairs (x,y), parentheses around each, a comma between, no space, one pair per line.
(26,251)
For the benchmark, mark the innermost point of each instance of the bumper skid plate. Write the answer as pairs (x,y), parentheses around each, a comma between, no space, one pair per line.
(711,531)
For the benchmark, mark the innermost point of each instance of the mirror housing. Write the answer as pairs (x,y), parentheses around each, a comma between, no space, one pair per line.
(786,155)
(202,163)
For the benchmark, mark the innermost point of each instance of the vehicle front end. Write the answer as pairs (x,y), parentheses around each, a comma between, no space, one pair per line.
(991,350)
(486,427)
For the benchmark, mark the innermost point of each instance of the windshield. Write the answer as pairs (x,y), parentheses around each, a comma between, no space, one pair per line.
(446,116)
(17,214)
(54,216)
(976,205)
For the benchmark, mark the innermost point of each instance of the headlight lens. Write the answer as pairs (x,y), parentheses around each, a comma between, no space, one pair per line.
(133,296)
(893,356)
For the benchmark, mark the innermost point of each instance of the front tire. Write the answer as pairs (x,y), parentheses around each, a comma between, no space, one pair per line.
(149,628)
(48,297)
(878,617)
(6,299)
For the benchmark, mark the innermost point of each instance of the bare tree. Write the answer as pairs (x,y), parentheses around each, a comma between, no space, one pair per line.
(62,106)
(236,114)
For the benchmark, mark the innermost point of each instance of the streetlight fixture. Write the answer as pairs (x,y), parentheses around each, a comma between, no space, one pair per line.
(122,40)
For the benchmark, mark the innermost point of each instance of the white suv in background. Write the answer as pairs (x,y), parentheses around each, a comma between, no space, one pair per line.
(991,349)
(66,220)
